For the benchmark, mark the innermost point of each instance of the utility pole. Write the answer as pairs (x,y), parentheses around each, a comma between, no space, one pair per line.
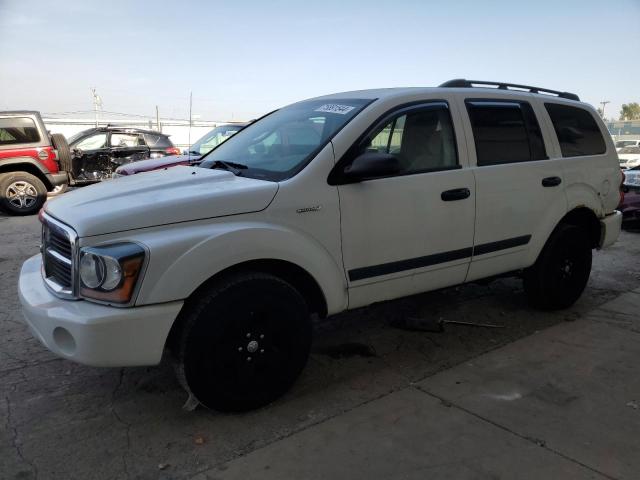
(97,103)
(158,119)
(604,104)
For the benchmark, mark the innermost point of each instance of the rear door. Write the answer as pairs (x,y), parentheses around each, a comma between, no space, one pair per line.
(520,194)
(128,147)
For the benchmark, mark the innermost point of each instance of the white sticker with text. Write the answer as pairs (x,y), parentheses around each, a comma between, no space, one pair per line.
(334,108)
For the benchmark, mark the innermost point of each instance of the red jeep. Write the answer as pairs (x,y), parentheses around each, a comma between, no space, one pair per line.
(32,162)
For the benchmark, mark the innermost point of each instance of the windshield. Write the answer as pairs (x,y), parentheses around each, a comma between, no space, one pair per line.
(624,143)
(279,145)
(214,138)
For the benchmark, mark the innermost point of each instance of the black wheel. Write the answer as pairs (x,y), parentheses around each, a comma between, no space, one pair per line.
(244,342)
(560,274)
(21,193)
(64,152)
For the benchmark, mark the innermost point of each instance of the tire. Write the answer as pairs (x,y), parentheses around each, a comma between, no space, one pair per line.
(64,152)
(562,270)
(244,342)
(21,193)
(59,190)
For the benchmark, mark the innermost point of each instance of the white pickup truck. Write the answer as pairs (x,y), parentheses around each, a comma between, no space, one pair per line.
(325,205)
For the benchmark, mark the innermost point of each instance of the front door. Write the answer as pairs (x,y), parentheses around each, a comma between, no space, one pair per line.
(413,231)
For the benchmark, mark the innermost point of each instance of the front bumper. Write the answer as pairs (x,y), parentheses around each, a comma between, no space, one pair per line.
(610,227)
(93,334)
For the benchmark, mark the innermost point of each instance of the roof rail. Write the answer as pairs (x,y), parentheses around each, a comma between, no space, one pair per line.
(463,83)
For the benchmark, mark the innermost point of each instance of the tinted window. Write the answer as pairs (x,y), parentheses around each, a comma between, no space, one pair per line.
(157,141)
(421,140)
(505,132)
(18,130)
(280,144)
(577,131)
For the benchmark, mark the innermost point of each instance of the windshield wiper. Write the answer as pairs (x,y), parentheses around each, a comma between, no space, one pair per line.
(233,167)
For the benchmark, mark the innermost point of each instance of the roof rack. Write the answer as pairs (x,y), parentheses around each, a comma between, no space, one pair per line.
(463,83)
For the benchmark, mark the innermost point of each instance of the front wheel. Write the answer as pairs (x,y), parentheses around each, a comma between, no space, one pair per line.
(562,270)
(244,342)
(21,193)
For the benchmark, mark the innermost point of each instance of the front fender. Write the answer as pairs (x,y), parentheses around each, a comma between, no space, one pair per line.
(184,257)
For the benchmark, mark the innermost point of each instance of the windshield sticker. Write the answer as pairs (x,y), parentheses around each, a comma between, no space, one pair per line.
(334,108)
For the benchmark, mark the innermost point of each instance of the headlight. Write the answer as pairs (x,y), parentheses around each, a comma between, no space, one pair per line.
(110,273)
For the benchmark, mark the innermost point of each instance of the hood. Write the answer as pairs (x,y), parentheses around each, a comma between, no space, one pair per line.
(155,163)
(179,194)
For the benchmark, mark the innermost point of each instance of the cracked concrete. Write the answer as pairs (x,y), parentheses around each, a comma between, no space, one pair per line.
(68,421)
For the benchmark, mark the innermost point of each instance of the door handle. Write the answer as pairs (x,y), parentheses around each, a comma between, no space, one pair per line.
(551,181)
(455,194)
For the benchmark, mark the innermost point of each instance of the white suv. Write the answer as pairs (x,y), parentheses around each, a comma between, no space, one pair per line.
(325,205)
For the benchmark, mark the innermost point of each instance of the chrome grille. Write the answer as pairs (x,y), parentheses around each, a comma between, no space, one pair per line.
(58,242)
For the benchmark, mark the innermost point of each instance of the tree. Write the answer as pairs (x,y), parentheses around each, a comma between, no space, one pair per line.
(630,111)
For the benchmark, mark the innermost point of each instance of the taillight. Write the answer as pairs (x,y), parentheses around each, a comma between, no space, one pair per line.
(172,151)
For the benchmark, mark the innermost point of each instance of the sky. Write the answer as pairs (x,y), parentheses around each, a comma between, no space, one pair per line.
(241,59)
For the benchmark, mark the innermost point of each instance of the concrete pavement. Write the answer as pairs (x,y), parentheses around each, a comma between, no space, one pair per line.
(562,403)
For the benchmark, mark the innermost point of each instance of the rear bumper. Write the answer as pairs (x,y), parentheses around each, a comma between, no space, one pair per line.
(610,227)
(59,178)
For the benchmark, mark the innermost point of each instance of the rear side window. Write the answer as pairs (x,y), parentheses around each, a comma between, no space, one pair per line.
(577,131)
(18,130)
(505,132)
(157,141)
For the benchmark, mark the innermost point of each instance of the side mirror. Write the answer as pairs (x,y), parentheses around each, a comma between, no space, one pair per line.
(76,152)
(371,165)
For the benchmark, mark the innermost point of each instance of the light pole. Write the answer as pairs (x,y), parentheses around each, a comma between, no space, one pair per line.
(604,104)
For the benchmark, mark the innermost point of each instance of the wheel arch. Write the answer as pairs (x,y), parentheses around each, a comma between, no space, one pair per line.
(586,218)
(293,274)
(26,165)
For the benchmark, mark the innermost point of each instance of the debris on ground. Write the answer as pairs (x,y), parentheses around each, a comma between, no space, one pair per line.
(432,324)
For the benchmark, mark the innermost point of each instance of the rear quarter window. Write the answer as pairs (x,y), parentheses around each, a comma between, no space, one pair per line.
(18,130)
(577,131)
(157,141)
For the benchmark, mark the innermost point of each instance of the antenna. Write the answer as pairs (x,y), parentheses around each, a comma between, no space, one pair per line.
(190,107)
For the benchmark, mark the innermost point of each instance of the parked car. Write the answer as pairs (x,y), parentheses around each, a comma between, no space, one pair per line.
(191,156)
(630,204)
(32,162)
(328,204)
(620,144)
(98,152)
(629,157)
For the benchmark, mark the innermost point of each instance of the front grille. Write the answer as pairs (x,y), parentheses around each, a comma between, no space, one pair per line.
(57,256)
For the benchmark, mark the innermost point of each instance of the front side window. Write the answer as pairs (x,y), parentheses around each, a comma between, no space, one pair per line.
(279,145)
(422,140)
(94,142)
(577,131)
(18,130)
(505,132)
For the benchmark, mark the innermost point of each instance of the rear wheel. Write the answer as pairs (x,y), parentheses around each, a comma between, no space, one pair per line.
(244,342)
(21,193)
(562,270)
